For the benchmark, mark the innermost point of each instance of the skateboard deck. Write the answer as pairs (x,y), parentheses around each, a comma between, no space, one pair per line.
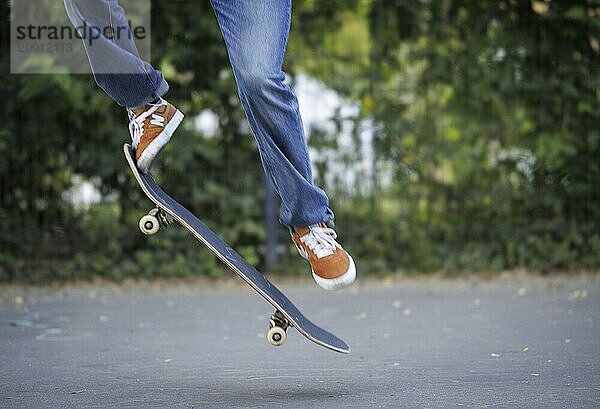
(286,313)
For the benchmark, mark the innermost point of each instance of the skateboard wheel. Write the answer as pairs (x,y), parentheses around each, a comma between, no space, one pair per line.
(276,336)
(149,225)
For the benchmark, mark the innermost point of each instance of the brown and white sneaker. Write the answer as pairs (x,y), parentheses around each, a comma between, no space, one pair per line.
(151,128)
(332,267)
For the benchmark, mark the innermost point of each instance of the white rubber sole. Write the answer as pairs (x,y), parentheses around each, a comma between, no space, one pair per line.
(153,149)
(338,282)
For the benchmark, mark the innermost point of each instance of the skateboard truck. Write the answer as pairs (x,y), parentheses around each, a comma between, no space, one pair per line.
(155,220)
(278,325)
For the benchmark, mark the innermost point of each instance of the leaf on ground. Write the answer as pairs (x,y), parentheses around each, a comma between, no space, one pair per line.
(578,294)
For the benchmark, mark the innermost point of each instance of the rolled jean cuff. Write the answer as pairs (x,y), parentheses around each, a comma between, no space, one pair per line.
(328,220)
(162,89)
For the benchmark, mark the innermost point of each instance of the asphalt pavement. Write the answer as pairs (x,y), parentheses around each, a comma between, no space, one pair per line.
(514,341)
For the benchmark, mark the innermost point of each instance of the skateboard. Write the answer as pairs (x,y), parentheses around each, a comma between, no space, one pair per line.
(167,211)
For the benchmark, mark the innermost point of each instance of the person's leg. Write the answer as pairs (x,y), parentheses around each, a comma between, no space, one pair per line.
(125,77)
(255,32)
(115,62)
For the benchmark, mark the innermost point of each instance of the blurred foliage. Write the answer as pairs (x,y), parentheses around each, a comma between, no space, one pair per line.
(484,119)
(490,115)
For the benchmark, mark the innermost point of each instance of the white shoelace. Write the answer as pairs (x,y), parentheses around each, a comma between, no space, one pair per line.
(136,123)
(321,241)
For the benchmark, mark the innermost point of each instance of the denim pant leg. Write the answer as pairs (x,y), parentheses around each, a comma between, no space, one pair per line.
(115,62)
(255,33)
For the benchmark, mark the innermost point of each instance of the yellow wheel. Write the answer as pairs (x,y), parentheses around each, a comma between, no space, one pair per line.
(149,225)
(276,336)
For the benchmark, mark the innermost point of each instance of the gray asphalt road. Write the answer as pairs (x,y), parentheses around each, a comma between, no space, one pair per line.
(510,342)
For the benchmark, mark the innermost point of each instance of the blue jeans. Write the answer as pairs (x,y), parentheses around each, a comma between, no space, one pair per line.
(255,33)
